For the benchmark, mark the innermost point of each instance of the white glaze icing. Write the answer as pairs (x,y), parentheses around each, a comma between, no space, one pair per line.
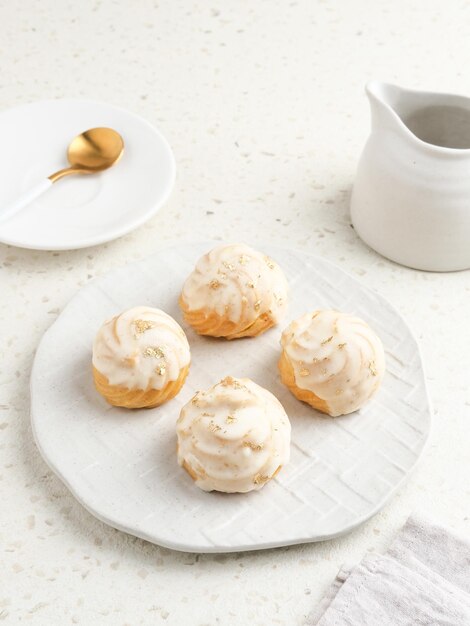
(336,356)
(142,348)
(233,436)
(237,282)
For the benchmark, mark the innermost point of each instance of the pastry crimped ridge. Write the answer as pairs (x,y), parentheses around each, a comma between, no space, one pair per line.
(140,358)
(234,437)
(331,360)
(234,291)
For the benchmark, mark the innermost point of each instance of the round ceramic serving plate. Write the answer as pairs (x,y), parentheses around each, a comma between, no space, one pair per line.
(86,210)
(121,465)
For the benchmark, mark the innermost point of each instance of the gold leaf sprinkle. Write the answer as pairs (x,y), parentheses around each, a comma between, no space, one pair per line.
(372,368)
(341,345)
(154,351)
(257,305)
(251,285)
(269,262)
(244,299)
(214,284)
(222,275)
(254,446)
(160,369)
(325,341)
(315,314)
(142,325)
(230,419)
(213,427)
(304,372)
(205,414)
(243,260)
(259,479)
(227,381)
(229,266)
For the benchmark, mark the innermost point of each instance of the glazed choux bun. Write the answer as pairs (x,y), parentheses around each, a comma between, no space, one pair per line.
(233,437)
(140,358)
(233,292)
(333,361)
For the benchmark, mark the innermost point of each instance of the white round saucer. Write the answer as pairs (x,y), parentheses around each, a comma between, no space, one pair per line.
(79,211)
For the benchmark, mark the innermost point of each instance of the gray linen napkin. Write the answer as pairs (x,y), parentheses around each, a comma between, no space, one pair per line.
(423,580)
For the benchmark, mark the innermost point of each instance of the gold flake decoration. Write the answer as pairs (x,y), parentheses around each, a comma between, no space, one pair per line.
(160,369)
(215,284)
(372,368)
(315,314)
(154,351)
(325,341)
(259,479)
(250,284)
(269,262)
(304,372)
(230,419)
(341,345)
(228,265)
(141,326)
(213,427)
(243,260)
(227,381)
(257,305)
(257,447)
(205,414)
(244,299)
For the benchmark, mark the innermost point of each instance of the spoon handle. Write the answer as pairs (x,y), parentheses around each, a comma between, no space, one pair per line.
(25,199)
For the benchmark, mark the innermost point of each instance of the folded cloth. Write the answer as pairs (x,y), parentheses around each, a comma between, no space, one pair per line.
(423,579)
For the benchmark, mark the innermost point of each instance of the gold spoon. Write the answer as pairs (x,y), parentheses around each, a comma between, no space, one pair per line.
(90,152)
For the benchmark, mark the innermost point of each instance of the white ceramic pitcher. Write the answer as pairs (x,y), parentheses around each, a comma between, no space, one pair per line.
(411,196)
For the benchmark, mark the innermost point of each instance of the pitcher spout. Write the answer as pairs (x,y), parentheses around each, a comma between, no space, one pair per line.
(436,122)
(384,100)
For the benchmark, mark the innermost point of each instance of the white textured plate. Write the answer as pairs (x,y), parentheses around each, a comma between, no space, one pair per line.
(121,465)
(79,211)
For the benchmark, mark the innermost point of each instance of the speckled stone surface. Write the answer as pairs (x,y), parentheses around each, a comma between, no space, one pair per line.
(263,104)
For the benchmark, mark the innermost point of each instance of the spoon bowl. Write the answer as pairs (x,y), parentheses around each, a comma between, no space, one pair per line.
(92,151)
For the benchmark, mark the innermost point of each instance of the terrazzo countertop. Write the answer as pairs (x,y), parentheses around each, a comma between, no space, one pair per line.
(264,107)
